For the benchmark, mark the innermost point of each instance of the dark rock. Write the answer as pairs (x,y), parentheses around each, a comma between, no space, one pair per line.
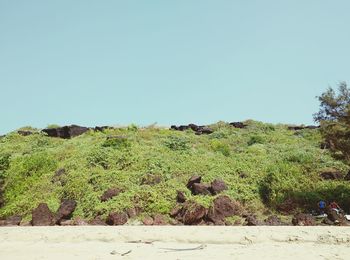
(217,186)
(148,221)
(193,180)
(65,210)
(189,213)
(117,218)
(302,219)
(238,125)
(175,211)
(42,216)
(273,221)
(205,130)
(194,127)
(66,132)
(223,207)
(159,220)
(252,221)
(200,189)
(312,127)
(110,193)
(331,174)
(151,179)
(193,213)
(336,218)
(98,221)
(197,129)
(180,197)
(183,127)
(101,128)
(11,221)
(327,221)
(24,132)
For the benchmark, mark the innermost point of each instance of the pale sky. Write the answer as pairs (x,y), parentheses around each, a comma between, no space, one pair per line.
(171,62)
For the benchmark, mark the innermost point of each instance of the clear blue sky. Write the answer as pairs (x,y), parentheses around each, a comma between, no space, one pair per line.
(170,62)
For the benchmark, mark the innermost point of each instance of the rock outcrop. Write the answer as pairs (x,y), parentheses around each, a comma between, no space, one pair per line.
(11,221)
(98,221)
(199,130)
(65,210)
(190,213)
(110,193)
(331,174)
(66,132)
(194,179)
(273,221)
(217,186)
(200,189)
(238,125)
(180,197)
(252,220)
(117,218)
(197,188)
(42,216)
(223,207)
(302,219)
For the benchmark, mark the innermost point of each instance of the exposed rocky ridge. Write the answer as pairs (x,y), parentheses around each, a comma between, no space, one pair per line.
(66,131)
(199,130)
(71,131)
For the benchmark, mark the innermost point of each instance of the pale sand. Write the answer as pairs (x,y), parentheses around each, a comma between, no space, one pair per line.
(95,242)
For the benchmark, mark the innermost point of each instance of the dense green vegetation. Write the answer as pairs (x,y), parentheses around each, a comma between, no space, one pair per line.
(263,165)
(334,117)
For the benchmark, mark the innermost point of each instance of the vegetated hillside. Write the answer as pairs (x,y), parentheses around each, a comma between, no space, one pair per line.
(266,167)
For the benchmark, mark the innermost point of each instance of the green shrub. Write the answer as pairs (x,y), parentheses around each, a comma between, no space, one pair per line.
(176,143)
(4,164)
(132,128)
(28,182)
(334,118)
(276,166)
(300,156)
(221,147)
(98,157)
(256,139)
(220,134)
(118,142)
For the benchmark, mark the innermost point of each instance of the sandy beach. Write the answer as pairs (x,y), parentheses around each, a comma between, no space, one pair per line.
(174,242)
